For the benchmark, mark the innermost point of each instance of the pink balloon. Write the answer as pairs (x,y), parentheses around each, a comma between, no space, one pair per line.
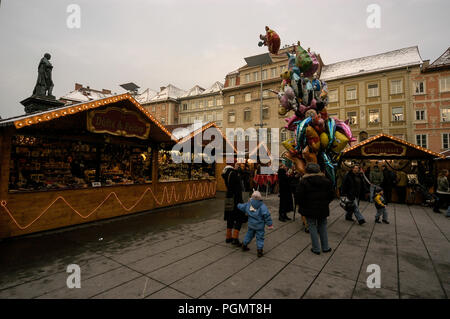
(290,122)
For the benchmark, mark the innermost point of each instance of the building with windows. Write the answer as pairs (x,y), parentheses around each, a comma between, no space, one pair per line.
(84,94)
(199,104)
(375,93)
(431,102)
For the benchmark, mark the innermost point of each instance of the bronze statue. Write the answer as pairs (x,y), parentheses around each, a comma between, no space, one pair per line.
(44,83)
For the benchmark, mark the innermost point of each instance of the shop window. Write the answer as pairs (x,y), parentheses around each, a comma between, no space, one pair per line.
(42,163)
(419,87)
(445,141)
(187,170)
(353,118)
(397,114)
(420,115)
(231,117)
(372,90)
(374,116)
(396,87)
(421,140)
(248,97)
(444,84)
(445,115)
(247,114)
(232,99)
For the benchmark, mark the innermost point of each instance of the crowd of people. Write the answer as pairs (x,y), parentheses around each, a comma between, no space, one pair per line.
(310,196)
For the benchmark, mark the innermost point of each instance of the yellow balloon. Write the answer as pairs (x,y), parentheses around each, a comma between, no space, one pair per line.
(324,140)
(339,142)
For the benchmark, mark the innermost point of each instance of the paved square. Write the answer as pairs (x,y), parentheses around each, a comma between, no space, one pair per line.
(180,252)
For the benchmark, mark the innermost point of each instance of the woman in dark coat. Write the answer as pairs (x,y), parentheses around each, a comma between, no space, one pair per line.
(285,194)
(314,194)
(234,217)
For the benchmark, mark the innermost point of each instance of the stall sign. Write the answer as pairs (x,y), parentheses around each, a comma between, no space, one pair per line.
(383,149)
(118,121)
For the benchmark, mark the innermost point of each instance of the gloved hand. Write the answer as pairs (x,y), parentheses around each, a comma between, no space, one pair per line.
(270,227)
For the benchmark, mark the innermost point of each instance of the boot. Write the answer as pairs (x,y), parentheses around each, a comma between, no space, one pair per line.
(385,221)
(228,237)
(236,241)
(282,217)
(260,253)
(245,248)
(287,217)
(377,221)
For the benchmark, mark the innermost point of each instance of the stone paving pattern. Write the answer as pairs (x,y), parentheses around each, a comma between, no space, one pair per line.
(180,252)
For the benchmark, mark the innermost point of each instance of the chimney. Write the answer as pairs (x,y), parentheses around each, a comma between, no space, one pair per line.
(78,86)
(105,91)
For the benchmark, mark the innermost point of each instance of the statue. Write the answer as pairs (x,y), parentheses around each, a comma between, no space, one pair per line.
(44,83)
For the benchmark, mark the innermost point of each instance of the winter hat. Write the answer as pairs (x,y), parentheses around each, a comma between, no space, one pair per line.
(256,195)
(226,168)
(312,168)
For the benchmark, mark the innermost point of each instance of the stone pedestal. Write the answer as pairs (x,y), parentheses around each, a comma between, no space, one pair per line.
(38,103)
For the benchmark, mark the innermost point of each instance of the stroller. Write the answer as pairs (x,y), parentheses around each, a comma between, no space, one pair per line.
(417,188)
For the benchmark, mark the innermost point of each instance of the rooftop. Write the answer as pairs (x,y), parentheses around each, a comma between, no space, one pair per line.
(442,61)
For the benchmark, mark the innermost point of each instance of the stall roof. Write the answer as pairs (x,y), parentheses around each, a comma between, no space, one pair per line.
(31,119)
(404,150)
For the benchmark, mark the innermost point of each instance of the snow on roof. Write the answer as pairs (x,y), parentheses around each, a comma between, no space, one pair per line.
(85,96)
(180,131)
(169,92)
(196,90)
(216,87)
(443,60)
(374,63)
(146,96)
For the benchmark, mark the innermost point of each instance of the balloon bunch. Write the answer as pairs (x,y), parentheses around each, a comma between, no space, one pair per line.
(318,137)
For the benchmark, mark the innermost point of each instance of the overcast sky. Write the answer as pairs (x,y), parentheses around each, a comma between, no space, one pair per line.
(156,42)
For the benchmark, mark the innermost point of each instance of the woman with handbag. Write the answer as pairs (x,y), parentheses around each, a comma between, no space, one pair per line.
(233,216)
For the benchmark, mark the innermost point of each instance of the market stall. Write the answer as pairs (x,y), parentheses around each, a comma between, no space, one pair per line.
(413,162)
(85,162)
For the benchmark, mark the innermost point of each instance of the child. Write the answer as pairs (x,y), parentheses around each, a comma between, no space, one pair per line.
(258,218)
(380,204)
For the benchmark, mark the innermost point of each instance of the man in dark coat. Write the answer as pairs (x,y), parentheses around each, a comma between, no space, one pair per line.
(389,180)
(234,217)
(354,187)
(285,194)
(314,194)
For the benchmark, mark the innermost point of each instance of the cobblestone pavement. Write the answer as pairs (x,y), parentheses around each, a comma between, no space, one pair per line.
(180,252)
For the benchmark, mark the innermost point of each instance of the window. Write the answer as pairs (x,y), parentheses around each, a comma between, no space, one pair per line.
(352,118)
(372,90)
(209,117)
(265,93)
(232,99)
(333,95)
(163,120)
(163,107)
(444,84)
(231,117)
(265,112)
(232,81)
(247,78)
(397,114)
(248,97)
(351,93)
(185,107)
(420,115)
(282,68)
(273,72)
(421,140)
(264,75)
(374,116)
(219,116)
(255,76)
(445,115)
(219,102)
(154,108)
(199,104)
(396,87)
(283,135)
(247,114)
(419,87)
(445,141)
(211,103)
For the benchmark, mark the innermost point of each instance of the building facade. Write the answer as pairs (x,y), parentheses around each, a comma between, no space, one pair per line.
(431,101)
(199,104)
(84,94)
(375,93)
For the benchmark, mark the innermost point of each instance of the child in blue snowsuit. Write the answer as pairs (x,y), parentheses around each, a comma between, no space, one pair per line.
(258,218)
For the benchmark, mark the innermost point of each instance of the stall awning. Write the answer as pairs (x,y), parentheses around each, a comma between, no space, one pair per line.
(384,146)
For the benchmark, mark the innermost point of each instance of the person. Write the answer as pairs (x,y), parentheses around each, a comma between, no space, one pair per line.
(285,195)
(314,194)
(380,205)
(258,217)
(389,180)
(442,191)
(402,182)
(233,216)
(354,187)
(376,179)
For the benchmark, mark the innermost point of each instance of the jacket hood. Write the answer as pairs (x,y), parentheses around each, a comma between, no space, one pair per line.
(256,203)
(226,168)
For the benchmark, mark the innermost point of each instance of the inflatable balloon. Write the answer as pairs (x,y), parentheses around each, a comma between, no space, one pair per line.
(301,132)
(308,156)
(331,130)
(271,40)
(339,142)
(324,140)
(290,122)
(303,60)
(313,139)
(299,163)
(329,168)
(345,128)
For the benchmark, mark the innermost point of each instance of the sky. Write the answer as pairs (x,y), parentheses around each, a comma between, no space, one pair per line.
(187,42)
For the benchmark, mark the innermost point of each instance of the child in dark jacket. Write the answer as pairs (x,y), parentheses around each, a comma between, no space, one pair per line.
(380,205)
(258,218)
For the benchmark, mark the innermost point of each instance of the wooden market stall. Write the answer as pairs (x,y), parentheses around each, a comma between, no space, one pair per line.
(86,162)
(416,162)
